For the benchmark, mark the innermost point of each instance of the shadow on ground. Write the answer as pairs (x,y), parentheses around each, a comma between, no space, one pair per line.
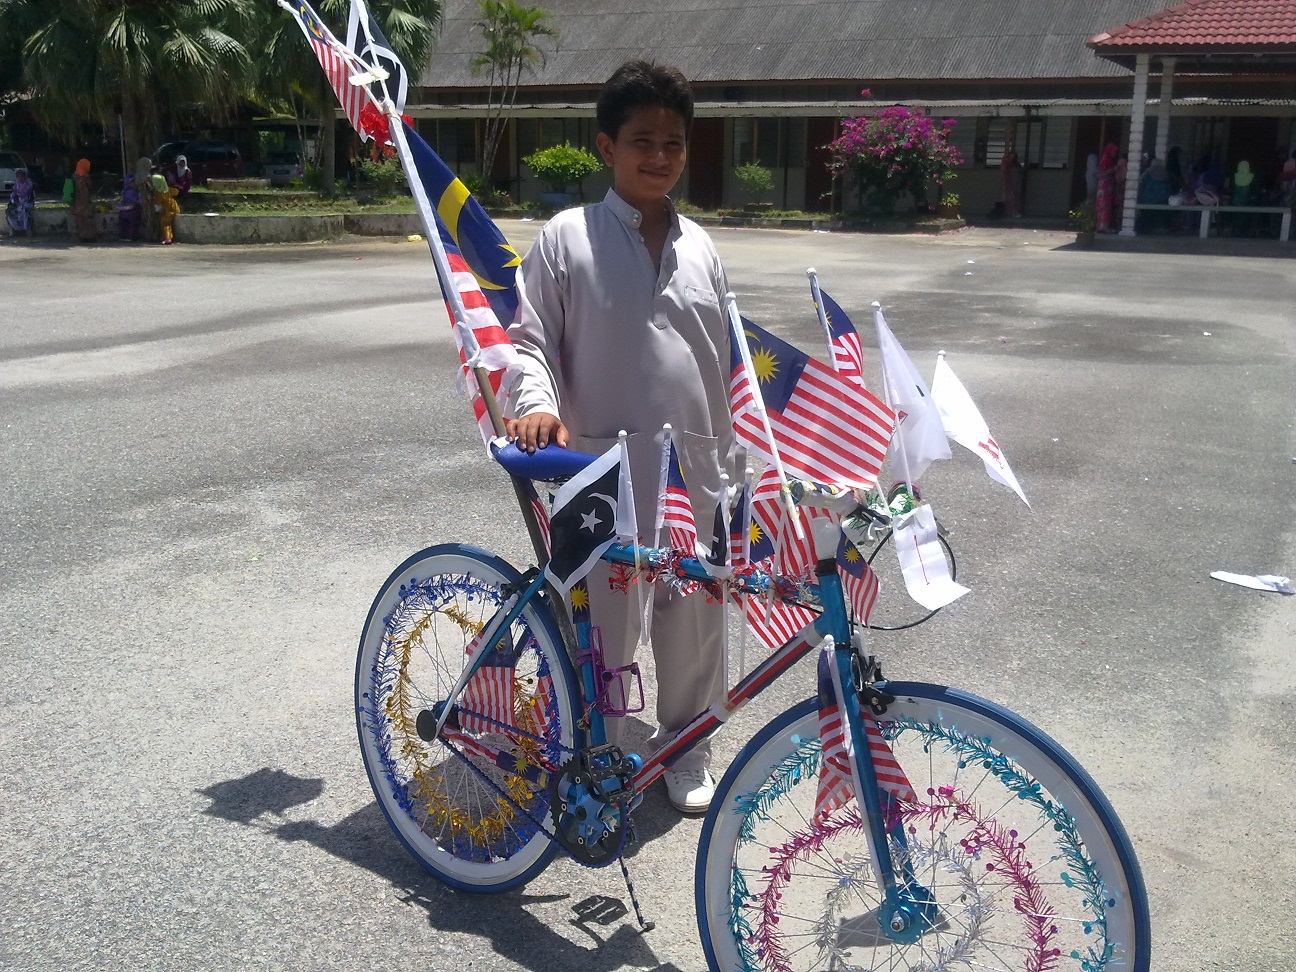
(262,799)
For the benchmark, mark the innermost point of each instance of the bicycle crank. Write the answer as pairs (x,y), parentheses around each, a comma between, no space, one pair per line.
(589,800)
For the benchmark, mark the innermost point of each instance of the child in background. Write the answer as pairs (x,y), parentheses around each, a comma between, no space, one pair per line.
(170,210)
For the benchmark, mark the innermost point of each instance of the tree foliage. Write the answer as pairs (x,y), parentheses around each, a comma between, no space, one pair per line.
(148,60)
(510,31)
(893,151)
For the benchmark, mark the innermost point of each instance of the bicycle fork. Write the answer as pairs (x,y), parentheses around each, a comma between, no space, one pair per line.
(908,910)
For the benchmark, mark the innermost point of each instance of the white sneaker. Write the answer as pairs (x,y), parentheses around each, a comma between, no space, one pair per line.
(690,790)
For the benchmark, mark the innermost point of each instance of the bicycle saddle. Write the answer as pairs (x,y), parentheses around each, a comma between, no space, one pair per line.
(550,463)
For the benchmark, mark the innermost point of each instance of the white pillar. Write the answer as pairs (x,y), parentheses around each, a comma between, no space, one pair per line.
(1163,112)
(1138,115)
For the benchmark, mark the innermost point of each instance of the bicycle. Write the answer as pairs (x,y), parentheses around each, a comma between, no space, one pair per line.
(1003,853)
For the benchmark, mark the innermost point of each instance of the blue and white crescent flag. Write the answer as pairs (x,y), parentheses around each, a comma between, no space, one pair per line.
(366,39)
(338,68)
(583,522)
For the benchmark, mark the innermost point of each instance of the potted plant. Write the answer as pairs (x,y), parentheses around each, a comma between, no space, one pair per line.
(949,205)
(559,167)
(1083,219)
(756,180)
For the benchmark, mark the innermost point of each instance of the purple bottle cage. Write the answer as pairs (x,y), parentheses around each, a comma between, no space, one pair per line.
(613,698)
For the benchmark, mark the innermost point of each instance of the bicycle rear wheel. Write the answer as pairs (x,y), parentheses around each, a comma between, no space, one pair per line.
(469,804)
(1023,858)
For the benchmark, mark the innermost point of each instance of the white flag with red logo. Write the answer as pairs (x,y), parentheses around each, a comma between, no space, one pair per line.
(919,436)
(964,424)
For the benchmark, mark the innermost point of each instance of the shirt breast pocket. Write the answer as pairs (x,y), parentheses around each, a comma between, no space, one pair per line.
(702,295)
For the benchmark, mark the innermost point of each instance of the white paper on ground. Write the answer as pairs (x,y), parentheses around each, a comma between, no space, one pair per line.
(1262,582)
(926,572)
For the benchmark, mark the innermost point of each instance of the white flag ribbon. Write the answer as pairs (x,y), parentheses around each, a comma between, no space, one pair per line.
(964,424)
(922,561)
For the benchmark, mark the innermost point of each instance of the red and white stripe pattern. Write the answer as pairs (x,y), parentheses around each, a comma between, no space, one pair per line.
(862,592)
(776,623)
(836,788)
(497,351)
(487,698)
(338,70)
(848,357)
(537,507)
(827,429)
(677,509)
(890,776)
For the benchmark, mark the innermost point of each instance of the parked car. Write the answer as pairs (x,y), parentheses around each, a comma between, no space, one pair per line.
(282,168)
(208,159)
(10,163)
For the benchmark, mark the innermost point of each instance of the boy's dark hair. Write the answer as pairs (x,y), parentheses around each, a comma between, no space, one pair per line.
(641,84)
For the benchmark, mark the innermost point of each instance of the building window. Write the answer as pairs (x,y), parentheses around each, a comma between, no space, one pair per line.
(772,143)
(1039,145)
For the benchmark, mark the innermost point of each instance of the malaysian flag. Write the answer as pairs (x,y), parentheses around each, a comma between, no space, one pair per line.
(775,622)
(677,509)
(338,68)
(858,580)
(483,266)
(836,774)
(740,529)
(843,342)
(827,430)
(487,697)
(366,38)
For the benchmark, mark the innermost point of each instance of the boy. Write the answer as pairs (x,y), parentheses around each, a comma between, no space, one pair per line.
(621,326)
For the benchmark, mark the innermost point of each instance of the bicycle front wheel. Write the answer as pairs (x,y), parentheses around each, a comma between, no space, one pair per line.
(469,805)
(1011,847)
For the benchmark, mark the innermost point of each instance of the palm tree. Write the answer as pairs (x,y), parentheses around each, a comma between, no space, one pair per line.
(510,31)
(290,72)
(147,60)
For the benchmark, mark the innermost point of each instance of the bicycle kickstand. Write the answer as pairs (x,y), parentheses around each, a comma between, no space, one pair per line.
(644,926)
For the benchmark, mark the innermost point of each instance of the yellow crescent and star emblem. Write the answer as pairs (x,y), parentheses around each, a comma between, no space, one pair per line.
(450,208)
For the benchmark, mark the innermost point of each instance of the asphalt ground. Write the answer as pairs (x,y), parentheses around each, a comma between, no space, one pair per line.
(213,456)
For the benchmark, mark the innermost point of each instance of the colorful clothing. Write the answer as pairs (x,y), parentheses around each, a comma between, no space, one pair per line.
(129,211)
(82,210)
(22,204)
(170,210)
(1105,199)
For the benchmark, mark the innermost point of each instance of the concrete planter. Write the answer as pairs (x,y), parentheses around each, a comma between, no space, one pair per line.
(193,228)
(383,224)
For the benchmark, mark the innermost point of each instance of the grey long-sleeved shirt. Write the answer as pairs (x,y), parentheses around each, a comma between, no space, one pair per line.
(608,343)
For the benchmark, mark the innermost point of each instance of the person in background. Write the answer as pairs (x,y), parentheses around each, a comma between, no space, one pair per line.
(1174,170)
(182,177)
(129,211)
(1104,202)
(170,210)
(1243,179)
(148,225)
(158,189)
(20,213)
(82,209)
(1154,189)
(1010,182)
(1091,177)
(1122,176)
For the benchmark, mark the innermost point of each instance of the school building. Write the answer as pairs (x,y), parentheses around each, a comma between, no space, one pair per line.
(774,79)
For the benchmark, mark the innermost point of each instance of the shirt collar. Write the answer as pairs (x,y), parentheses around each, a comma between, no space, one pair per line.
(628,215)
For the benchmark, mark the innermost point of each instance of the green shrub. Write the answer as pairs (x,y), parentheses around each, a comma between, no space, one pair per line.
(755,179)
(562,166)
(382,178)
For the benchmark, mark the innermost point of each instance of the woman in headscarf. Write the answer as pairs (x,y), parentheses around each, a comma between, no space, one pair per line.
(1154,189)
(22,204)
(128,211)
(1106,196)
(1242,181)
(82,209)
(182,179)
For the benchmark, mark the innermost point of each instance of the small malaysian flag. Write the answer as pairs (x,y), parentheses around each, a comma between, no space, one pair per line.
(678,509)
(775,623)
(827,430)
(844,342)
(337,68)
(740,529)
(858,580)
(487,697)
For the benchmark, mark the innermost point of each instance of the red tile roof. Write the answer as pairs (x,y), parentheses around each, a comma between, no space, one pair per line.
(1206,25)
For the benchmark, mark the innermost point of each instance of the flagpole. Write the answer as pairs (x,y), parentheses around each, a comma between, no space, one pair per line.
(785,493)
(748,475)
(823,316)
(633,537)
(889,392)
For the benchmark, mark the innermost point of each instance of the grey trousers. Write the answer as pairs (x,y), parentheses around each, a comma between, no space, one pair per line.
(688,654)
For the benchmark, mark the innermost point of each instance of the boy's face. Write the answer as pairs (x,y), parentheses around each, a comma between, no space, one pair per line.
(647,156)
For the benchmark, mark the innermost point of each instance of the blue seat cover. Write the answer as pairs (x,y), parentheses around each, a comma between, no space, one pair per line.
(551,462)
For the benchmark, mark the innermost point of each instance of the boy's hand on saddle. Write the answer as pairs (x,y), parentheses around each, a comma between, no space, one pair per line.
(537,430)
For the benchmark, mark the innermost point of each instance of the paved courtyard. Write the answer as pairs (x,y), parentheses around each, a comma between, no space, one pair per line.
(214,456)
